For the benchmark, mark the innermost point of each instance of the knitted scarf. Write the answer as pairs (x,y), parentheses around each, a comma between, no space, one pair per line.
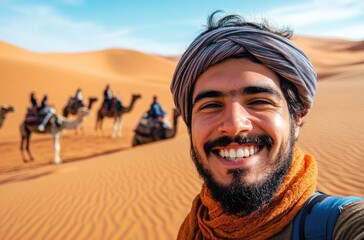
(208,221)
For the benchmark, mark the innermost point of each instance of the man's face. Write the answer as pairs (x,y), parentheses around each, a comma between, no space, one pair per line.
(241,133)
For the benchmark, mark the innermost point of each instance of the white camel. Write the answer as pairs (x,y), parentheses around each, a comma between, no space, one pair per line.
(4,109)
(55,127)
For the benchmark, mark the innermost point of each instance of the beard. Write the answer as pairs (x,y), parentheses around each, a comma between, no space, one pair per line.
(239,197)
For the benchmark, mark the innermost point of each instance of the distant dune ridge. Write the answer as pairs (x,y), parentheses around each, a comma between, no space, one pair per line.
(107,190)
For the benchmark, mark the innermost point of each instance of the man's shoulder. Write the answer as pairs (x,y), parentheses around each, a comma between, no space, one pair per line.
(320,214)
(350,224)
(321,221)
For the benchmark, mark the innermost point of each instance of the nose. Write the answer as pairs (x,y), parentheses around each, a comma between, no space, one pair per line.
(235,120)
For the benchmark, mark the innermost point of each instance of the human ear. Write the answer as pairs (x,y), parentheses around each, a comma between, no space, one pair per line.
(297,126)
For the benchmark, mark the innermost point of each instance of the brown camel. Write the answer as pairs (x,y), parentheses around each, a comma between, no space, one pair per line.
(116,113)
(166,132)
(4,109)
(55,126)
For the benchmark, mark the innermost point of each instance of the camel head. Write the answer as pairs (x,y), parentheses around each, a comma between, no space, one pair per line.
(8,108)
(91,100)
(136,96)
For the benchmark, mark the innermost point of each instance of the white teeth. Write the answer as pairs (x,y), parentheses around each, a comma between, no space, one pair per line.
(238,153)
(226,153)
(221,153)
(232,153)
(246,152)
(251,150)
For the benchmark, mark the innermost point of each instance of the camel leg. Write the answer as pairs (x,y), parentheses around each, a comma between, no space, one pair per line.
(21,149)
(114,129)
(28,148)
(120,127)
(25,136)
(57,148)
(79,130)
(100,127)
(97,125)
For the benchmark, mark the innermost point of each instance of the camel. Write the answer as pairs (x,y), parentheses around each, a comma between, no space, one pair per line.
(55,126)
(116,113)
(4,109)
(73,105)
(169,131)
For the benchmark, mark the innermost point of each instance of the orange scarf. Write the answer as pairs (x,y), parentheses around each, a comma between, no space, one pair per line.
(208,221)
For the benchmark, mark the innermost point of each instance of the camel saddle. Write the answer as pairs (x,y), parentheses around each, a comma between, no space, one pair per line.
(74,104)
(115,105)
(147,126)
(34,118)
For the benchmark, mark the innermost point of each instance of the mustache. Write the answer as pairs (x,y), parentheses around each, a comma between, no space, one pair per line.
(249,139)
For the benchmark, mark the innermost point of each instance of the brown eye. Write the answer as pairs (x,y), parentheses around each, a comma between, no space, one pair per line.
(210,106)
(259,102)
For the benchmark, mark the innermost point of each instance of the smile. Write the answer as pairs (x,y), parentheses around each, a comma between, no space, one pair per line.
(237,153)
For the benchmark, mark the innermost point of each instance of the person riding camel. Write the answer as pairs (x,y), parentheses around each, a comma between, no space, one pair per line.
(33,101)
(108,98)
(117,103)
(47,110)
(79,98)
(156,114)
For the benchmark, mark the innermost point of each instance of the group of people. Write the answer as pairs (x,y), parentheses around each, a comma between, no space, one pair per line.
(155,113)
(47,111)
(43,109)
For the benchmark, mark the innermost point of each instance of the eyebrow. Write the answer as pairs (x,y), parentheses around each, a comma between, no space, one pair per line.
(250,90)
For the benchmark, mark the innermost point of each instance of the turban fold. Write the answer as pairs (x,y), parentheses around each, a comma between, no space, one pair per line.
(274,51)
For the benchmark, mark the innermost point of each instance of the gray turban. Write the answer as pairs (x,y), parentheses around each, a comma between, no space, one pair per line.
(274,51)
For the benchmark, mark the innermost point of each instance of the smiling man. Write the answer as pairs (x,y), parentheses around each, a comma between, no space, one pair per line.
(242,88)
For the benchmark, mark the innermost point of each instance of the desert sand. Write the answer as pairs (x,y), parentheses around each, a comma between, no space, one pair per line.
(105,189)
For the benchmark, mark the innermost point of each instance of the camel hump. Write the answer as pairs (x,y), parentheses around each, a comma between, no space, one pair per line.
(74,103)
(145,126)
(109,108)
(148,126)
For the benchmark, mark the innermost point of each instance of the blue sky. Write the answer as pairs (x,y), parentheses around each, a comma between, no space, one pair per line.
(160,26)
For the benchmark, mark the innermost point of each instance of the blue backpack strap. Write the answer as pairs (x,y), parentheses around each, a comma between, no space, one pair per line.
(317,219)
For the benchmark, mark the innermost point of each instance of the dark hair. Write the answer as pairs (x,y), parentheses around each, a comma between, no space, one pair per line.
(234,20)
(290,92)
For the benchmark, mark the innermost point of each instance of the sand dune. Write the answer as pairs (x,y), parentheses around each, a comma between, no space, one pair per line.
(128,195)
(107,190)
